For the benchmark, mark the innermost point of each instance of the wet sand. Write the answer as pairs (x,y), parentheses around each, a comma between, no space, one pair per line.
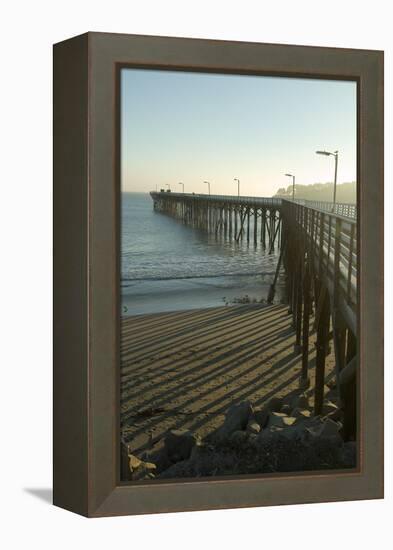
(184,369)
(161,296)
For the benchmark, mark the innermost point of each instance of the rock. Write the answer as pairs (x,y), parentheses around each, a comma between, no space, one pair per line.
(295,399)
(332,411)
(236,418)
(149,466)
(280,420)
(286,409)
(158,455)
(267,435)
(329,428)
(179,469)
(140,469)
(328,407)
(275,404)
(274,449)
(300,423)
(238,437)
(273,434)
(275,429)
(336,415)
(308,430)
(296,431)
(300,402)
(301,414)
(253,438)
(197,451)
(325,429)
(261,416)
(179,444)
(253,427)
(349,454)
(315,420)
(134,462)
(324,443)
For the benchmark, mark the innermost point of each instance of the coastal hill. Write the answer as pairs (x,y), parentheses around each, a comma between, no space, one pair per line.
(346,192)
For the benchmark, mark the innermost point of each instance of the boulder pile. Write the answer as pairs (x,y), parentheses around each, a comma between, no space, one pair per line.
(282,436)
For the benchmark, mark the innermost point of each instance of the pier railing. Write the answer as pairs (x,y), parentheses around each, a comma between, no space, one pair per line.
(342,209)
(229,199)
(330,241)
(321,266)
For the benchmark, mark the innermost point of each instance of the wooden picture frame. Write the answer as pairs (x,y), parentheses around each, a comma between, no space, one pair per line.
(86,273)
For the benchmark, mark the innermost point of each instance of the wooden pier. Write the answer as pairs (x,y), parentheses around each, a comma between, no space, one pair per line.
(252,218)
(318,253)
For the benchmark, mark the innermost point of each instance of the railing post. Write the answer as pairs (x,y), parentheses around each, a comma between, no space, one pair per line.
(329,240)
(349,279)
(337,252)
(321,233)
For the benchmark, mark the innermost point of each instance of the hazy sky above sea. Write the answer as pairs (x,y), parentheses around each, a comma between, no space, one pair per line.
(190,127)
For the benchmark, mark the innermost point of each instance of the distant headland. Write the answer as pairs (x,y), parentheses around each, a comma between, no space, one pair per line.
(346,192)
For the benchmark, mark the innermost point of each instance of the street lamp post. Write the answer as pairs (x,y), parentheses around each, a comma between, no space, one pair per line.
(238,186)
(208,185)
(335,155)
(168,185)
(293,185)
(181,183)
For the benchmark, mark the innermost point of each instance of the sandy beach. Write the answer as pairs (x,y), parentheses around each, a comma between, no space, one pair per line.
(184,369)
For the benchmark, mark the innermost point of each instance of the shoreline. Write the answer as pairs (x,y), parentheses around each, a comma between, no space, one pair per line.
(191,293)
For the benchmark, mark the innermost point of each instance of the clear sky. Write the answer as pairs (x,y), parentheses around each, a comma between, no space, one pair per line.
(191,127)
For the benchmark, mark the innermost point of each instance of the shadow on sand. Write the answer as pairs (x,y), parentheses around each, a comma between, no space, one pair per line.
(184,369)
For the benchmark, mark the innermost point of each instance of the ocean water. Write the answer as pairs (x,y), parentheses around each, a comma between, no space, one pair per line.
(168,266)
